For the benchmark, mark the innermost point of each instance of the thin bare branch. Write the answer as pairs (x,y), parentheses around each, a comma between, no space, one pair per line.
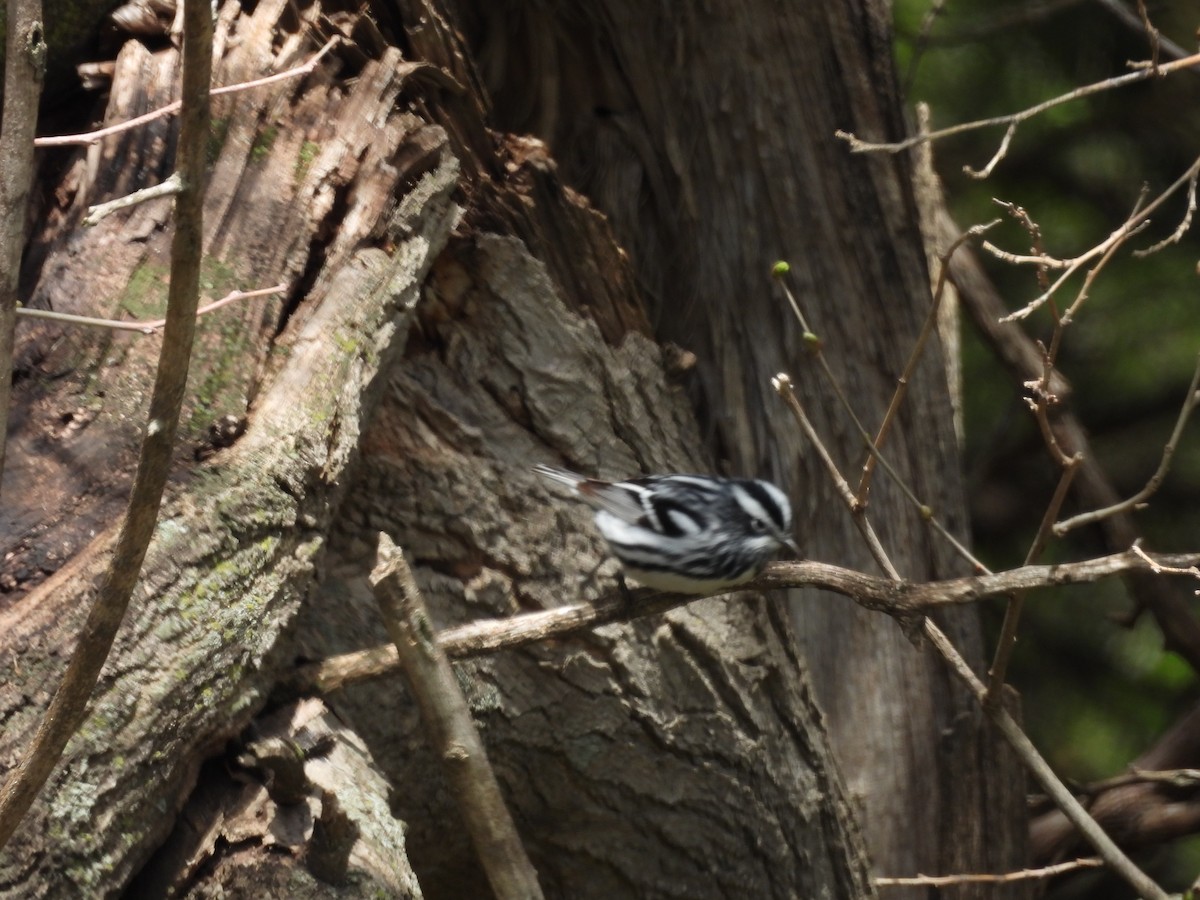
(921,41)
(914,358)
(857,145)
(1184,226)
(150,326)
(1126,230)
(1000,18)
(1156,480)
(1180,779)
(1112,855)
(783,385)
(1131,20)
(1042,261)
(1034,230)
(1091,862)
(1007,641)
(68,707)
(1151,34)
(1025,361)
(1000,153)
(783,382)
(168,188)
(94,137)
(1158,568)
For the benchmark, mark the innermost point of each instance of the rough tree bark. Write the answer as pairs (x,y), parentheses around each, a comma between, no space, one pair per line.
(707,133)
(235,553)
(685,757)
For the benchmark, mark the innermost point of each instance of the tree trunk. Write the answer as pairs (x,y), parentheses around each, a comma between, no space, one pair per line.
(707,134)
(680,757)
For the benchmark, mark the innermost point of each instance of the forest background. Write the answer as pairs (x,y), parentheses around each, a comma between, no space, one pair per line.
(1097,685)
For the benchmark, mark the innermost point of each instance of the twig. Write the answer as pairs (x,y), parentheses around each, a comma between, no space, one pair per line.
(94,137)
(488,636)
(1092,862)
(857,145)
(927,328)
(1138,220)
(98,212)
(1126,230)
(68,707)
(1151,34)
(1012,613)
(1000,153)
(1132,21)
(143,327)
(1022,746)
(24,69)
(1146,809)
(783,383)
(1158,568)
(1043,398)
(1069,463)
(1184,226)
(919,44)
(1017,351)
(453,735)
(1183,779)
(1156,480)
(1036,244)
(1000,18)
(1112,855)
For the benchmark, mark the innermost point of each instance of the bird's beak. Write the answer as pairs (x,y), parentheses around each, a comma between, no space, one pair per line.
(791,544)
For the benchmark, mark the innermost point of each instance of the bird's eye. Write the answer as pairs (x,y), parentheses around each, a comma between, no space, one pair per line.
(758,525)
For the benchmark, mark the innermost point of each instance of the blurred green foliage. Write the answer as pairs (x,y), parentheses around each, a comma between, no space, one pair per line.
(1097,691)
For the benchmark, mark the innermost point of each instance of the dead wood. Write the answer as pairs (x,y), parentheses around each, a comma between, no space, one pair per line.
(294,813)
(235,551)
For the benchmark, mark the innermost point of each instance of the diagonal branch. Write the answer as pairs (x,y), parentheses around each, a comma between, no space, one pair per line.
(144,326)
(452,733)
(1156,480)
(94,137)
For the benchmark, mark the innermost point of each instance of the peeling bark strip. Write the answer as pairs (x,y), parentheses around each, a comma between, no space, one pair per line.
(234,552)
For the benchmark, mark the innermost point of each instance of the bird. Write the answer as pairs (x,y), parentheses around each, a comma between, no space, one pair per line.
(687,534)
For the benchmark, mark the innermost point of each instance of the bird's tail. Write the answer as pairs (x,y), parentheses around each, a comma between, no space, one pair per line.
(561,476)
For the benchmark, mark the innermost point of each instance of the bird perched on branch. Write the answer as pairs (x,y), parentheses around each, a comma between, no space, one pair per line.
(689,534)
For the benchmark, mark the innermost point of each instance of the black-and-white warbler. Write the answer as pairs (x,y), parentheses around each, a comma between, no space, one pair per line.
(691,534)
